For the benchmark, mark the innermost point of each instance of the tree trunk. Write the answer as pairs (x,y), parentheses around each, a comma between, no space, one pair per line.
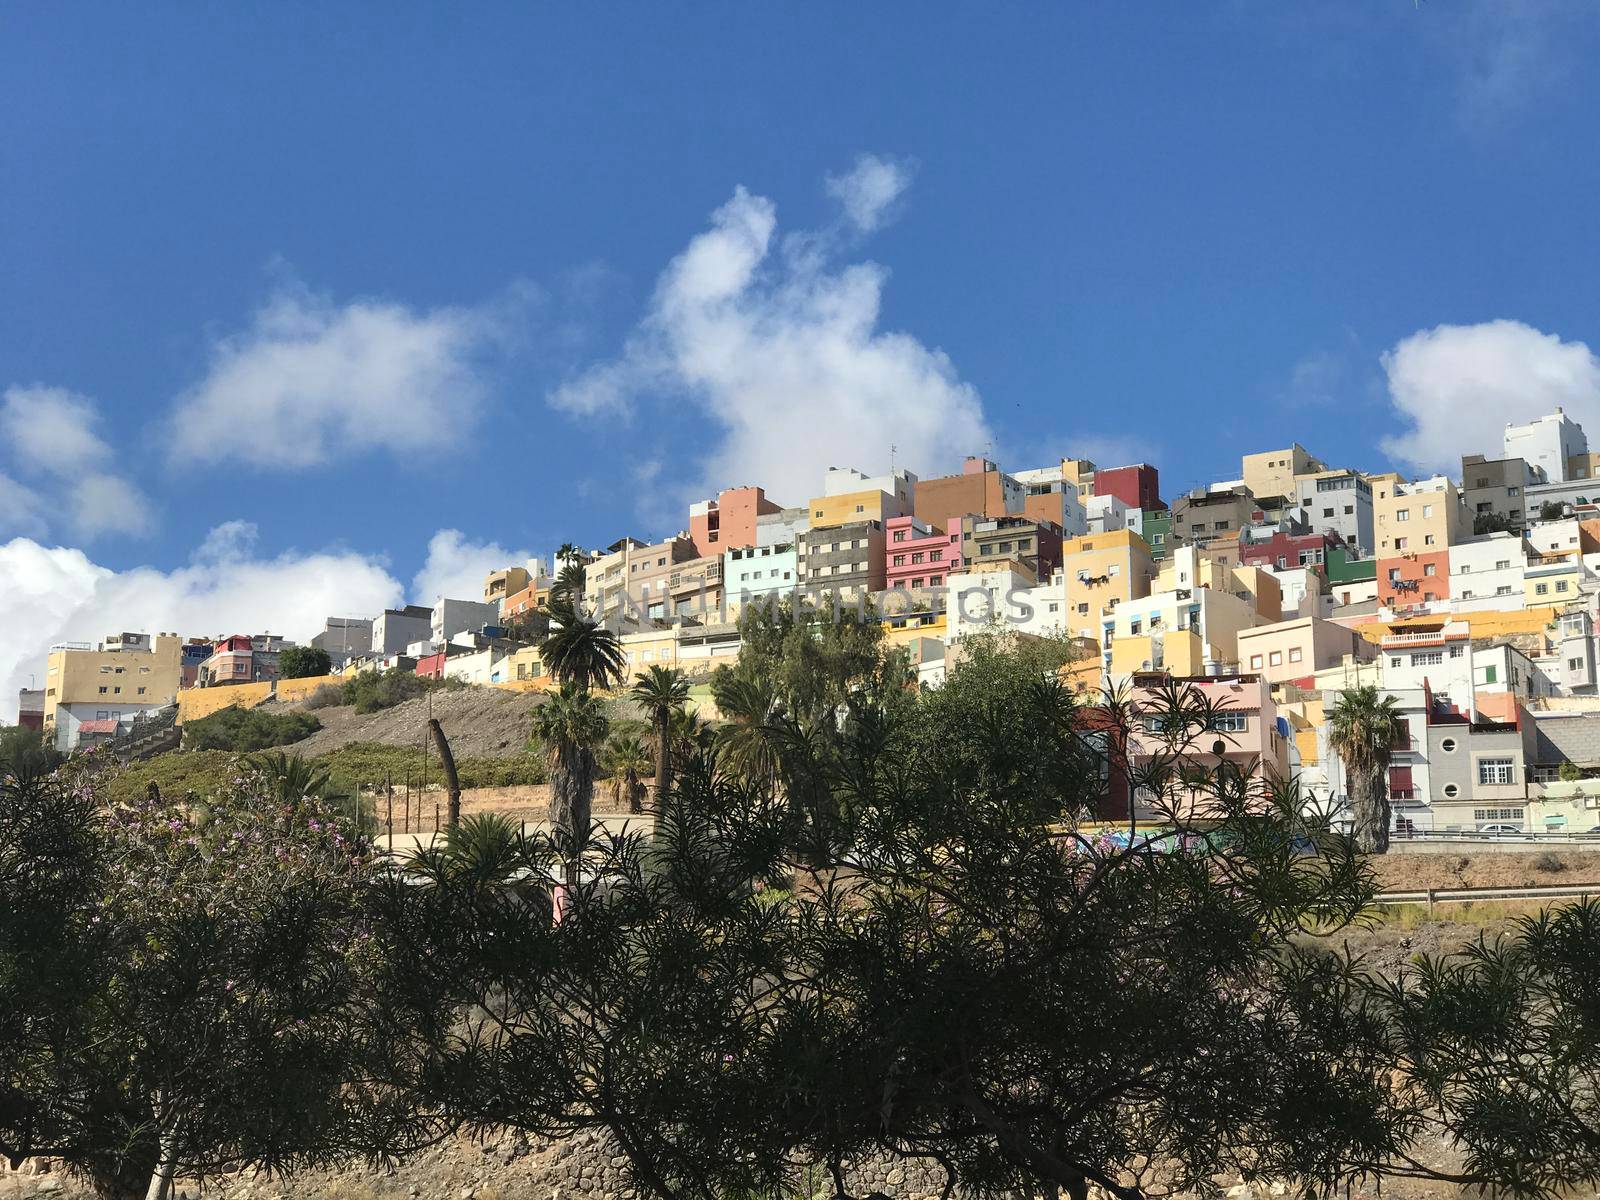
(663,780)
(166,1164)
(1369,796)
(452,781)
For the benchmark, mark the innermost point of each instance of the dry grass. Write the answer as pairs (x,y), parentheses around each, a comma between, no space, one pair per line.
(1469,868)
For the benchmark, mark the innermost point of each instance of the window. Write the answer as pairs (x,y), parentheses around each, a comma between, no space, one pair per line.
(1455,651)
(1541,589)
(1400,543)
(936,580)
(1427,511)
(102,691)
(1294,654)
(1430,569)
(1275,659)
(1497,814)
(1451,791)
(141,691)
(861,508)
(1402,514)
(1229,723)
(1255,662)
(1561,585)
(1327,512)
(899,560)
(1448,745)
(1495,771)
(1394,661)
(1573,664)
(1428,539)
(1427,658)
(899,535)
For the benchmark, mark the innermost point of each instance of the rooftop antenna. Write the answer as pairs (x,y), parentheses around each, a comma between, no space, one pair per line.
(892,449)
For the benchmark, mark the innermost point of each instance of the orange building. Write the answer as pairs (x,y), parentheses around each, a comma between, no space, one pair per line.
(981,490)
(729,521)
(1414,525)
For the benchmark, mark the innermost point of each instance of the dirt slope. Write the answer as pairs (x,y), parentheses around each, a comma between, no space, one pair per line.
(480,723)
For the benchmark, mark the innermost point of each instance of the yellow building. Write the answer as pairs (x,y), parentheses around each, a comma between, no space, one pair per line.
(649,648)
(125,675)
(1555,581)
(1099,572)
(1272,472)
(1079,473)
(506,582)
(848,496)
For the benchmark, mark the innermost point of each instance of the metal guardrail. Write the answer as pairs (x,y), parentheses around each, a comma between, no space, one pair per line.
(1433,896)
(1532,837)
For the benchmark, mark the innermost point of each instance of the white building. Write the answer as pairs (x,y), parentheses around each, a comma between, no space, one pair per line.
(1547,444)
(451,617)
(753,571)
(1487,573)
(1106,514)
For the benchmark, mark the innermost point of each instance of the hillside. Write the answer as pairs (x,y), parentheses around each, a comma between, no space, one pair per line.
(480,723)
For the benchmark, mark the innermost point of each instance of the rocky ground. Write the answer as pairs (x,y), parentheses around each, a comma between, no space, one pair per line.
(480,722)
(1464,868)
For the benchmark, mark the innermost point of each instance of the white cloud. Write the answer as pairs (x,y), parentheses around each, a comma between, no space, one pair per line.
(54,594)
(21,509)
(311,379)
(53,427)
(868,191)
(52,435)
(455,567)
(1458,386)
(784,355)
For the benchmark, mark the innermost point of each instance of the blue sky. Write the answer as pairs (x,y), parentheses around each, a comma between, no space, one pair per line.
(1173,231)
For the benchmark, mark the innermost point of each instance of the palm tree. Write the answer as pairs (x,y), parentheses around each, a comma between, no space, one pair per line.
(571,724)
(627,760)
(485,849)
(290,778)
(747,707)
(661,692)
(570,582)
(582,652)
(1362,730)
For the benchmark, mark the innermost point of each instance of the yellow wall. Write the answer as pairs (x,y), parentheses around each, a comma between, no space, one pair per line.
(75,676)
(1482,624)
(299,689)
(1551,582)
(830,511)
(1094,556)
(909,632)
(202,702)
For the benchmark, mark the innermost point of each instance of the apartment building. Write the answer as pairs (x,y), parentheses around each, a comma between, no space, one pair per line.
(1547,445)
(1339,503)
(1051,496)
(728,522)
(844,563)
(919,554)
(628,582)
(990,596)
(1192,632)
(1487,573)
(782,527)
(754,572)
(1416,524)
(452,617)
(1274,472)
(982,489)
(1296,649)
(1494,493)
(1098,573)
(396,628)
(694,590)
(344,638)
(1105,513)
(1137,486)
(1034,546)
(1203,514)
(497,585)
(1286,550)
(850,497)
(121,677)
(1247,731)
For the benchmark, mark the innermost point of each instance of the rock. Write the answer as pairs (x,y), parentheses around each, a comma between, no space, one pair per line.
(466,1193)
(896,1176)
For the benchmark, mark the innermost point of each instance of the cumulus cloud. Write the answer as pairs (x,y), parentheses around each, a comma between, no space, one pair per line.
(51,594)
(455,567)
(868,191)
(310,379)
(52,435)
(783,352)
(1458,386)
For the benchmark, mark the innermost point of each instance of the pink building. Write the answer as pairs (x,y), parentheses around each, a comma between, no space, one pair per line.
(729,521)
(1246,730)
(917,554)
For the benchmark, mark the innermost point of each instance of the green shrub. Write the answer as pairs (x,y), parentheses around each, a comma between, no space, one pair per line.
(329,695)
(244,729)
(372,691)
(181,775)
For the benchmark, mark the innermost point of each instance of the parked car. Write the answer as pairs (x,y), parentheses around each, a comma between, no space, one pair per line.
(1502,830)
